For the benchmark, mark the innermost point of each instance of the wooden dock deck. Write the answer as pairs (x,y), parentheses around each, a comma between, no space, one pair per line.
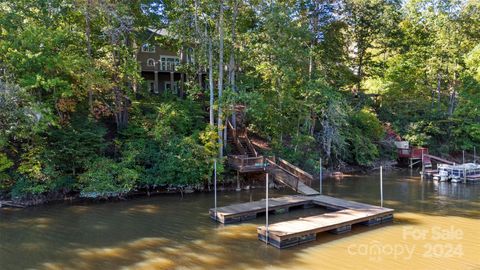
(299,231)
(290,233)
(247,211)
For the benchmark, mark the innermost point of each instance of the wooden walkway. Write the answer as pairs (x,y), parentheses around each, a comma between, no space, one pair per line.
(292,176)
(247,211)
(295,232)
(290,233)
(246,159)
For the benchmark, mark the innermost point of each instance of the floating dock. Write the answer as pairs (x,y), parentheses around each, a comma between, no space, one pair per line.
(11,204)
(290,233)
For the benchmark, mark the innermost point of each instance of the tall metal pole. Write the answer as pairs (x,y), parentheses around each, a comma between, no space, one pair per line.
(215,185)
(321,177)
(474,155)
(463,156)
(266,210)
(381,186)
(423,166)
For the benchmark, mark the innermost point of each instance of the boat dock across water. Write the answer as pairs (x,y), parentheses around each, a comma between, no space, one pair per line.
(285,234)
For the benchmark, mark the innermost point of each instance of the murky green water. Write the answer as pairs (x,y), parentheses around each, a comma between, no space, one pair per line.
(436,226)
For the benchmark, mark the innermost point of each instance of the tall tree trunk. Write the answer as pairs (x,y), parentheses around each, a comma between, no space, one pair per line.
(220,80)
(210,79)
(310,63)
(121,107)
(201,40)
(453,94)
(89,48)
(427,84)
(232,58)
(182,75)
(360,70)
(439,87)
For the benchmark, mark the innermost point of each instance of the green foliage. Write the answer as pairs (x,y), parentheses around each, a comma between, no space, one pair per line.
(170,148)
(176,118)
(16,119)
(24,187)
(71,148)
(5,164)
(318,79)
(365,132)
(104,177)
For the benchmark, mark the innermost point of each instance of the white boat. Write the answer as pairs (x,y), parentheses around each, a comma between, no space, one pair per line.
(456,180)
(441,176)
(457,173)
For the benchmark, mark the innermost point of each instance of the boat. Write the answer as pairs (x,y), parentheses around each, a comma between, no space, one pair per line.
(458,172)
(456,180)
(441,176)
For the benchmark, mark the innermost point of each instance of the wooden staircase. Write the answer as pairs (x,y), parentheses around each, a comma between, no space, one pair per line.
(245,159)
(291,176)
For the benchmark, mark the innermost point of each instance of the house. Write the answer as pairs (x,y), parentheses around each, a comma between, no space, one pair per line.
(159,66)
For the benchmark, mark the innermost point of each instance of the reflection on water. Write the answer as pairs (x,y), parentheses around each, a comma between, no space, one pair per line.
(436,227)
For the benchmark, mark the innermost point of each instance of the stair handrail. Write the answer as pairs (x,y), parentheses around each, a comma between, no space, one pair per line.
(236,136)
(305,177)
(236,140)
(233,130)
(274,164)
(250,145)
(439,159)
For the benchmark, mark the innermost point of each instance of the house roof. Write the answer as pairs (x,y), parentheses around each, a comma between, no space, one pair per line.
(160,32)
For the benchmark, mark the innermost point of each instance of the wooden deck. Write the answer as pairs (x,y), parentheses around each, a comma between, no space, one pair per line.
(246,159)
(290,233)
(247,211)
(299,231)
(295,232)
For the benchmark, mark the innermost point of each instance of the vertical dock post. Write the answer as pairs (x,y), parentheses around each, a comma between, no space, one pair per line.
(215,185)
(238,182)
(321,178)
(423,166)
(381,186)
(266,209)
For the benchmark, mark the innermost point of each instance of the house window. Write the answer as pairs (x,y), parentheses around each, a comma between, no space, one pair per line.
(169,89)
(148,48)
(151,62)
(169,63)
(151,86)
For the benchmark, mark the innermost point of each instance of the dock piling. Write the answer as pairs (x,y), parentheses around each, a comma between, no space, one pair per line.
(381,186)
(266,209)
(215,185)
(321,178)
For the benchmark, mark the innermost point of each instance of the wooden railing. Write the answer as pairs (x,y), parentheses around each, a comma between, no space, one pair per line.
(293,179)
(250,146)
(236,140)
(236,135)
(231,130)
(292,170)
(242,161)
(302,175)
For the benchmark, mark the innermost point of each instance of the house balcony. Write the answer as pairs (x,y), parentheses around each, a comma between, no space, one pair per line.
(158,68)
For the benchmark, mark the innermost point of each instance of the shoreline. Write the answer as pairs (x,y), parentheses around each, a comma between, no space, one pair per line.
(229,184)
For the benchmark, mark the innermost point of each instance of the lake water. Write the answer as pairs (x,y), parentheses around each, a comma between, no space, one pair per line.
(436,226)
